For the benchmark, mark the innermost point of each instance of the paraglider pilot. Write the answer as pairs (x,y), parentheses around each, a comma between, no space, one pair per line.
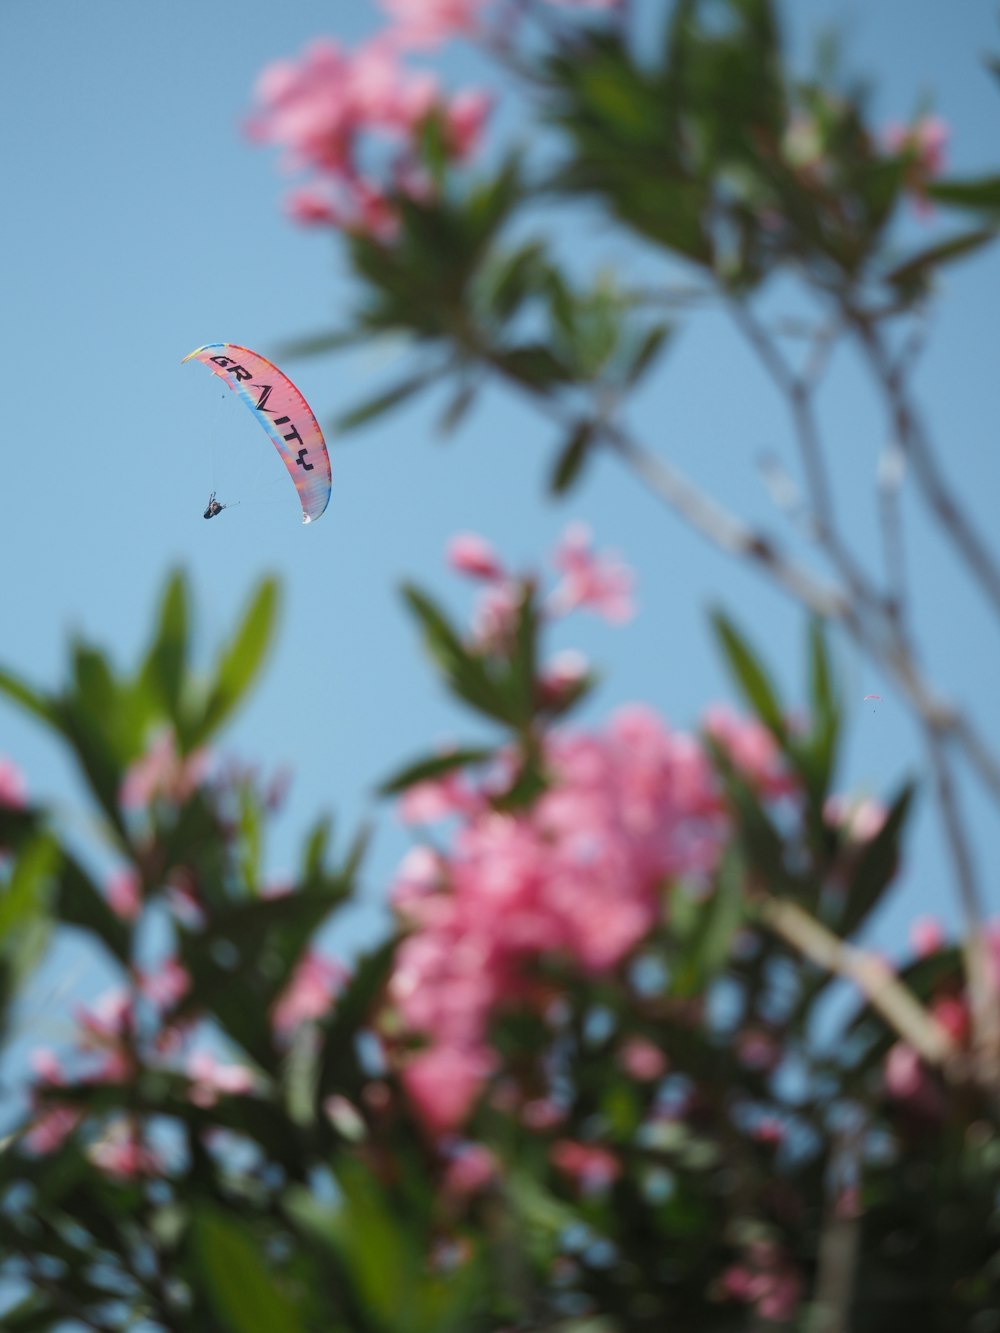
(213,507)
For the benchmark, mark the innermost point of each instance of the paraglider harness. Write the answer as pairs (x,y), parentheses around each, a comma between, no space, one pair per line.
(213,507)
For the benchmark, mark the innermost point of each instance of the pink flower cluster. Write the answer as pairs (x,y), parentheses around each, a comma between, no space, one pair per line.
(581,874)
(599,582)
(765,1280)
(351,121)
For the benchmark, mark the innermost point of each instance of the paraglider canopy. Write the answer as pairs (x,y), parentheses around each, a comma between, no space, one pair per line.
(282,412)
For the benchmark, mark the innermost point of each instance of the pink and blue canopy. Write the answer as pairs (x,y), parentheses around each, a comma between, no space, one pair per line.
(282,412)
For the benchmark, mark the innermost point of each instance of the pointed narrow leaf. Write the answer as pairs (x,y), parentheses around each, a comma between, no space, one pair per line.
(876,865)
(572,458)
(435,766)
(31,700)
(166,660)
(247,1299)
(241,660)
(750,675)
(382,402)
(916,269)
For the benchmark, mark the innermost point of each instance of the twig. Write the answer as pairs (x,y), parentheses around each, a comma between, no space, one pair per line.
(979,968)
(913,439)
(883,990)
(841,1234)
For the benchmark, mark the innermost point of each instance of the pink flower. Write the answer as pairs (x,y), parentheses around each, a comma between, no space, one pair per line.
(926,936)
(471,554)
(210,1079)
(926,140)
(752,750)
(593,1168)
(444,1081)
(167,986)
(162,773)
(907,1082)
(769,1130)
(123,1155)
(767,1281)
(436,799)
(465,118)
(351,121)
(469,1171)
(431,22)
(642,1060)
(312,206)
(601,583)
(52,1128)
(562,677)
(418,879)
(581,873)
(13,789)
(124,894)
(923,143)
(310,994)
(46,1066)
(495,617)
(859,820)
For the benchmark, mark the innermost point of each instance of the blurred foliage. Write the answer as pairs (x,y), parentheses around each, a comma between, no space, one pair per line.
(765,1171)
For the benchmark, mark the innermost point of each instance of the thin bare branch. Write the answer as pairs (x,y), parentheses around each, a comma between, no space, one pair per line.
(880,986)
(913,438)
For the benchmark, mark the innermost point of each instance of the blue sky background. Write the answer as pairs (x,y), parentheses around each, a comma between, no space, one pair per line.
(138,223)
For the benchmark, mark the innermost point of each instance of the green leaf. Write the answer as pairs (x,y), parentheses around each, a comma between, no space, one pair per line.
(523,666)
(513,278)
(465,671)
(316,848)
(165,665)
(650,347)
(383,402)
(354,1006)
(80,903)
(750,675)
(876,865)
(31,700)
(716,921)
(573,455)
(979,194)
(319,344)
(455,413)
(916,270)
(244,1294)
(533,365)
(240,662)
(434,766)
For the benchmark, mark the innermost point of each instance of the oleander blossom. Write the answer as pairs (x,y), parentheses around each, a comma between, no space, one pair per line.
(580,874)
(13,789)
(350,122)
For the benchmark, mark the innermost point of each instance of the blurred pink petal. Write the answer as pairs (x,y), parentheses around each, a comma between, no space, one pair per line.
(443,1082)
(593,1168)
(431,22)
(13,789)
(468,553)
(310,994)
(124,894)
(211,1078)
(601,583)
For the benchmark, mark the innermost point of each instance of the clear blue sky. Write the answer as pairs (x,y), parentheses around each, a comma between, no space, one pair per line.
(138,223)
